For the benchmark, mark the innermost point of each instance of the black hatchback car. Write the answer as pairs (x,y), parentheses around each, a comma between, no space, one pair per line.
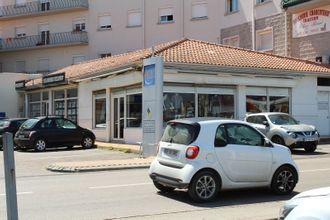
(46,132)
(10,125)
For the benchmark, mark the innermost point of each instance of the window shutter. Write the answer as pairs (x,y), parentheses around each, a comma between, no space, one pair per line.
(199,10)
(165,12)
(20,31)
(134,19)
(265,40)
(105,21)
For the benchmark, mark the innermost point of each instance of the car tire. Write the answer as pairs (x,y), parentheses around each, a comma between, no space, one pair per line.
(284,180)
(278,140)
(40,145)
(69,147)
(311,148)
(163,188)
(87,142)
(204,186)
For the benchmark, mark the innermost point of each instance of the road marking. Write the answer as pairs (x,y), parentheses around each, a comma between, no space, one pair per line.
(19,193)
(316,170)
(118,186)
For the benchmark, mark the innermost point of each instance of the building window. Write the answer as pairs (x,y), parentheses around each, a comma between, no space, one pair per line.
(104,55)
(134,19)
(134,111)
(166,15)
(20,32)
(78,59)
(34,104)
(231,41)
(199,10)
(105,22)
(262,1)
(44,5)
(79,24)
(20,3)
(20,66)
(66,103)
(99,109)
(264,40)
(232,6)
(216,105)
(178,105)
(43,65)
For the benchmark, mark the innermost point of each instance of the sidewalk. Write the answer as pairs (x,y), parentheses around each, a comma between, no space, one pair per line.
(102,165)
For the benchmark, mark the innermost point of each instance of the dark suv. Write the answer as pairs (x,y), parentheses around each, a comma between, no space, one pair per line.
(10,125)
(45,132)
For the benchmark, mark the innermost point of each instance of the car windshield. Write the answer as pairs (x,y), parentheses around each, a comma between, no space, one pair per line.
(29,123)
(179,133)
(4,123)
(282,119)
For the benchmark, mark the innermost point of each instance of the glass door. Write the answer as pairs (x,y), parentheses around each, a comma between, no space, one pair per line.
(118,117)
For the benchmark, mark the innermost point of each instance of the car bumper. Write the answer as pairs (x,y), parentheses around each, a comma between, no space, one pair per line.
(301,141)
(177,177)
(23,143)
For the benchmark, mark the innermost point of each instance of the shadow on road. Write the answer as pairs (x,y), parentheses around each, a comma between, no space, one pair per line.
(229,198)
(57,149)
(303,152)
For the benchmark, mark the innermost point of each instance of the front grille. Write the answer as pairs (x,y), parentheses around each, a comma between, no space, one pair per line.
(306,133)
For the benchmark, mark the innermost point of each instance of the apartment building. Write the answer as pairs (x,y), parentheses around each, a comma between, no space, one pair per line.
(45,35)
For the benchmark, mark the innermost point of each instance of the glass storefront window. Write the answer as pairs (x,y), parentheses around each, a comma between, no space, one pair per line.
(256,104)
(45,96)
(59,108)
(279,104)
(134,110)
(34,97)
(71,112)
(59,94)
(34,109)
(72,93)
(178,105)
(215,105)
(100,113)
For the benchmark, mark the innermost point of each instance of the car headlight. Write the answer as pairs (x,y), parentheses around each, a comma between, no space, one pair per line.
(285,210)
(292,134)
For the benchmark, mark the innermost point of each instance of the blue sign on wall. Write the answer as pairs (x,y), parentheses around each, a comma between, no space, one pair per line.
(149,75)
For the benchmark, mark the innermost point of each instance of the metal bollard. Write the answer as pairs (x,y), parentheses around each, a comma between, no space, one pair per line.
(10,176)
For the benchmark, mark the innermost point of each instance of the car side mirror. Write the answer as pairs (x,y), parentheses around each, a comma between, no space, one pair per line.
(267,143)
(265,123)
(220,142)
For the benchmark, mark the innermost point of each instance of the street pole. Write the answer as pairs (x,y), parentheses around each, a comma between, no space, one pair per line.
(10,177)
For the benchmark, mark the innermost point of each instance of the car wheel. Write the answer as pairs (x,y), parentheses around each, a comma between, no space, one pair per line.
(69,147)
(311,148)
(163,188)
(278,140)
(204,186)
(284,180)
(87,142)
(40,145)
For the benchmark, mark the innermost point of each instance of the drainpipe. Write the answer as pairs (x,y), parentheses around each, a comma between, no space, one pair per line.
(286,33)
(182,6)
(253,27)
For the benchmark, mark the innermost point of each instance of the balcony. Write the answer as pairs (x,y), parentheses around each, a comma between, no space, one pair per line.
(44,40)
(289,3)
(39,8)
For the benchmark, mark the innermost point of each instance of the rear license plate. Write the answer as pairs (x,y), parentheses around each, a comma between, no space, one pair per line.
(171,152)
(20,136)
(310,139)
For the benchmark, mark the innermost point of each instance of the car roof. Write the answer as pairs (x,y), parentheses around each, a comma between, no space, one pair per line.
(203,121)
(266,113)
(13,119)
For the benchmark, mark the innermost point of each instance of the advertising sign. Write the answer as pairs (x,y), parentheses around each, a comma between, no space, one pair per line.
(314,21)
(55,78)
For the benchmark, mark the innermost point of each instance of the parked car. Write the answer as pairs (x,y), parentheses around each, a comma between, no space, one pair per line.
(45,132)
(10,125)
(283,129)
(313,203)
(205,156)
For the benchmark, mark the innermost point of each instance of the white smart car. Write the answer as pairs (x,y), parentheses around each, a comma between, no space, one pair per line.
(208,155)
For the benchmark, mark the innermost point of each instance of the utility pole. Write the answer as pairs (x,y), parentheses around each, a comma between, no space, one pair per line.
(10,176)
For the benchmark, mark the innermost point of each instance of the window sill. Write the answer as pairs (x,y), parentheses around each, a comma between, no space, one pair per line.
(165,22)
(134,26)
(199,18)
(266,50)
(231,13)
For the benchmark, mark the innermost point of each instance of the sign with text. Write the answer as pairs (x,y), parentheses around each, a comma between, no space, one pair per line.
(52,79)
(314,21)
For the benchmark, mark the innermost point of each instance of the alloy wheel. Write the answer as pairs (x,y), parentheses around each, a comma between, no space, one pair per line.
(87,142)
(40,145)
(284,182)
(205,187)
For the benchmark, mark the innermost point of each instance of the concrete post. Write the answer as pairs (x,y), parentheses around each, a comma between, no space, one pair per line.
(10,177)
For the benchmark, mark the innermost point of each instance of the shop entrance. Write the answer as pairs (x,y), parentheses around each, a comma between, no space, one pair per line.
(118,117)
(323,106)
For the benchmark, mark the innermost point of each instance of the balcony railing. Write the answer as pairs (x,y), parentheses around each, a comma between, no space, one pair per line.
(38,7)
(288,3)
(46,39)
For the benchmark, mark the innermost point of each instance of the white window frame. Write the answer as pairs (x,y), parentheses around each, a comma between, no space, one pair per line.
(166,13)
(202,10)
(76,59)
(20,32)
(236,37)
(134,18)
(234,4)
(260,33)
(80,23)
(104,22)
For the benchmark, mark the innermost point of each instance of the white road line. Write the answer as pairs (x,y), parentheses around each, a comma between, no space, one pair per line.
(18,193)
(118,186)
(316,170)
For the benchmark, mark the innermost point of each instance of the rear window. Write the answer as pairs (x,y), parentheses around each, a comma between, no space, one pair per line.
(4,123)
(180,133)
(29,123)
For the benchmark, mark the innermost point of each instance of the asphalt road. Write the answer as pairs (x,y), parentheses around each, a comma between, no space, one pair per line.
(129,194)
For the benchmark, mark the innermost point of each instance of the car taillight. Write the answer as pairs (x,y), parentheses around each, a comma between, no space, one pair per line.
(192,152)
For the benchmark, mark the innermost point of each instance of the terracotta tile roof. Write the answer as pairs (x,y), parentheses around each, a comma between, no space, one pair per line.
(188,51)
